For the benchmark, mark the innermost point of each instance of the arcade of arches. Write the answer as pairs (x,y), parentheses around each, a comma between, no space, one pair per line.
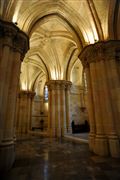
(58,57)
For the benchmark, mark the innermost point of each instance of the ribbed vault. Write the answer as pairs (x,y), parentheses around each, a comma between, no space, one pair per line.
(58,31)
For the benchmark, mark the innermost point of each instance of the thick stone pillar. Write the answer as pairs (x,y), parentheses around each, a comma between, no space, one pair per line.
(24,112)
(100,63)
(13,46)
(58,114)
(100,146)
(90,108)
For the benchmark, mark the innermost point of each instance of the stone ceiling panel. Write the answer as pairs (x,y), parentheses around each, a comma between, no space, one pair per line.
(59,29)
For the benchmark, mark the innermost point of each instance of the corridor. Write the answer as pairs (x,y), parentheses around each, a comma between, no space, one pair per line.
(53,159)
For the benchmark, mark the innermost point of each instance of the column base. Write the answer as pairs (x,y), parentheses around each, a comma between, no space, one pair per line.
(69,130)
(63,131)
(114,146)
(56,132)
(91,141)
(7,156)
(51,133)
(21,136)
(101,145)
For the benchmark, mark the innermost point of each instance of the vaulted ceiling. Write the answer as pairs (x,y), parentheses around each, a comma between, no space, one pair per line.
(58,31)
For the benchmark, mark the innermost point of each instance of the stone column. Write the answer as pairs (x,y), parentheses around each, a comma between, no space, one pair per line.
(113,79)
(105,84)
(67,95)
(57,107)
(90,108)
(100,146)
(62,111)
(51,110)
(14,45)
(24,114)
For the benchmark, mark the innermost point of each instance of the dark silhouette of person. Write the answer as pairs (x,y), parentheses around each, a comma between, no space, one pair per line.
(41,124)
(73,126)
(87,128)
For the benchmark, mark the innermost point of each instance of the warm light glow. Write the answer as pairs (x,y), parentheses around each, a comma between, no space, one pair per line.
(85,37)
(61,75)
(94,32)
(15,17)
(90,37)
(17,8)
(55,75)
(24,86)
(46,106)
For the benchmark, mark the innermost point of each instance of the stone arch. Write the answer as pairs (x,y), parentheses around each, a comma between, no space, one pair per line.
(27,22)
(73,30)
(46,68)
(112,19)
(71,62)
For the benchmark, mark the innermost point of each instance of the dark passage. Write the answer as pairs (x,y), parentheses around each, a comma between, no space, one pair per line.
(47,159)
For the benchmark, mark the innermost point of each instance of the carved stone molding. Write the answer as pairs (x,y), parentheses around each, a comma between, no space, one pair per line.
(100,51)
(58,84)
(68,85)
(13,37)
(24,93)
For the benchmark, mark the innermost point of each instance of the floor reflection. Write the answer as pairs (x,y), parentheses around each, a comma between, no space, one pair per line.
(59,159)
(46,156)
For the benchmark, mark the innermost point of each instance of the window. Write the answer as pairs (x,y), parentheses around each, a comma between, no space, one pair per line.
(46,93)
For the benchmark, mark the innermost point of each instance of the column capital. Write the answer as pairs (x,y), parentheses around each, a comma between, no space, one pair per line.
(104,50)
(13,37)
(58,84)
(24,93)
(68,85)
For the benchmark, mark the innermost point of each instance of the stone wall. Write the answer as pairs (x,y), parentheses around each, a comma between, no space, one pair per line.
(39,114)
(77,104)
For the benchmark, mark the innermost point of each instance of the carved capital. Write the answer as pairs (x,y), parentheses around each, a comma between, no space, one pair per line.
(100,51)
(21,44)
(13,37)
(112,49)
(68,85)
(27,94)
(58,84)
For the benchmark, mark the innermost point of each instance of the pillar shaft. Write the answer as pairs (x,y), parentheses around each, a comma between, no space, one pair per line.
(24,113)
(105,88)
(57,107)
(57,113)
(90,107)
(63,110)
(14,44)
(68,121)
(100,146)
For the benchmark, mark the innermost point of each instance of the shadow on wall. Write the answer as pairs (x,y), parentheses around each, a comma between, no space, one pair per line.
(83,124)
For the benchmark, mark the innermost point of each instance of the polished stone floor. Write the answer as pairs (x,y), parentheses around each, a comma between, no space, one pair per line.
(47,159)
